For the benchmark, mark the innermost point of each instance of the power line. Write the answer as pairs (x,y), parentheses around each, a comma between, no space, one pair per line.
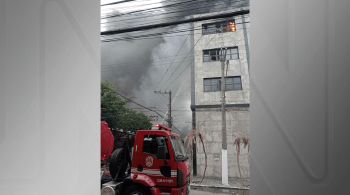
(132,66)
(142,60)
(166,104)
(175,57)
(118,2)
(205,70)
(197,9)
(161,7)
(110,66)
(155,10)
(197,79)
(148,17)
(194,58)
(151,36)
(137,103)
(191,49)
(191,63)
(173,61)
(232,14)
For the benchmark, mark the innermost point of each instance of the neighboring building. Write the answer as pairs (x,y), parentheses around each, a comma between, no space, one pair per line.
(209,37)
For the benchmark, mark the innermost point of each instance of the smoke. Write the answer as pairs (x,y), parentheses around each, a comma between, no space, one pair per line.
(162,64)
(126,63)
(139,66)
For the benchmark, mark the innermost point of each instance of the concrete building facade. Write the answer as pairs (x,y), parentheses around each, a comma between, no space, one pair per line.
(209,37)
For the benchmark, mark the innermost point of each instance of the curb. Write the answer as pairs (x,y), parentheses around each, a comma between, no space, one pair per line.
(221,187)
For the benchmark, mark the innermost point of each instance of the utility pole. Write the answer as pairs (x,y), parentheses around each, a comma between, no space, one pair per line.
(169,117)
(246,42)
(169,112)
(223,116)
(193,108)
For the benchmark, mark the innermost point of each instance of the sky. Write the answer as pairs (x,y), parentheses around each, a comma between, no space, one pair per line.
(139,63)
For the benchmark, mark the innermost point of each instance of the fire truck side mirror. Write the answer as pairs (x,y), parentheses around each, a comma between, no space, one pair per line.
(161,152)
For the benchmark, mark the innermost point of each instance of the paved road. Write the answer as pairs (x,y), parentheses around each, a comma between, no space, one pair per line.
(201,192)
(198,192)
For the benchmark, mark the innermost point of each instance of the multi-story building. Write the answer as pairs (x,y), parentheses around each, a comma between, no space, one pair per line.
(210,37)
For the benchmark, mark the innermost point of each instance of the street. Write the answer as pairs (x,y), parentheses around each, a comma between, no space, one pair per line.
(200,192)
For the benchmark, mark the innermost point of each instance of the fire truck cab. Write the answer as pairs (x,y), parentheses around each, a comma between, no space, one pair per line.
(157,165)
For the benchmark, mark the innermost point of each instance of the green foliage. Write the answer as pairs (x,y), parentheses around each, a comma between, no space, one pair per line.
(115,113)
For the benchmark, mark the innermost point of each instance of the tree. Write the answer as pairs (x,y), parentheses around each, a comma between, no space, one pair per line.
(115,113)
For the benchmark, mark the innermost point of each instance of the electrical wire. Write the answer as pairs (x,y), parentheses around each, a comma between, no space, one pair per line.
(143,17)
(133,66)
(154,21)
(145,37)
(147,10)
(132,62)
(193,60)
(124,1)
(207,70)
(161,8)
(190,64)
(173,61)
(194,57)
(180,73)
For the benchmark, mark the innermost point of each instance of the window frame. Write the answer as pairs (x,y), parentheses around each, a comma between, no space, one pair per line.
(217,54)
(216,29)
(219,83)
(156,155)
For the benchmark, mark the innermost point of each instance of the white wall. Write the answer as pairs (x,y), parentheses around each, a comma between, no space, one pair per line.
(208,120)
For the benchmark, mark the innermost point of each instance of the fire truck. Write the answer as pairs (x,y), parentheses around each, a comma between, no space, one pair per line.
(151,162)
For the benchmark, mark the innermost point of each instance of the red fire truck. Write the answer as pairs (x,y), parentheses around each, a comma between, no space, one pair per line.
(153,162)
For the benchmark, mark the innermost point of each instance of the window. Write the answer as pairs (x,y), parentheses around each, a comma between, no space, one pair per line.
(210,55)
(178,148)
(150,145)
(214,84)
(218,27)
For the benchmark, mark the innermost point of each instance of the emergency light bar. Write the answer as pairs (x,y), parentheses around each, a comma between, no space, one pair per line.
(162,127)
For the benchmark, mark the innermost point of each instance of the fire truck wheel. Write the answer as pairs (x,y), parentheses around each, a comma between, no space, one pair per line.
(115,163)
(136,190)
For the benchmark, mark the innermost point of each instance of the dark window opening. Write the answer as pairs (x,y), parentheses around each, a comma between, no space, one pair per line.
(219,27)
(210,55)
(214,84)
(150,145)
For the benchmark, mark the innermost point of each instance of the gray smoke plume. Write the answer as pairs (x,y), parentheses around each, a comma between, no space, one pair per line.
(137,64)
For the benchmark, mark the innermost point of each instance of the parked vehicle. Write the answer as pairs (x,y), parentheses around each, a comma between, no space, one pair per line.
(153,162)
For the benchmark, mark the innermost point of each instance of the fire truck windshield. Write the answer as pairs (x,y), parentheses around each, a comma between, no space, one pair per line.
(178,148)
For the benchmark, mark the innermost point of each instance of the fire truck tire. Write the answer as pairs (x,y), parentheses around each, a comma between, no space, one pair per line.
(136,190)
(115,163)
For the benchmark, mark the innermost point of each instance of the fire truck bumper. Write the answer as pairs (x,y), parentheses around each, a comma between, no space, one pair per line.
(185,190)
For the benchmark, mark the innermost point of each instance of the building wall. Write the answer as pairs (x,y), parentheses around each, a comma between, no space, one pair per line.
(237,67)
(209,124)
(208,120)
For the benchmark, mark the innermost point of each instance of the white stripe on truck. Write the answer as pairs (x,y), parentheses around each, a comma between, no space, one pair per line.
(153,172)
